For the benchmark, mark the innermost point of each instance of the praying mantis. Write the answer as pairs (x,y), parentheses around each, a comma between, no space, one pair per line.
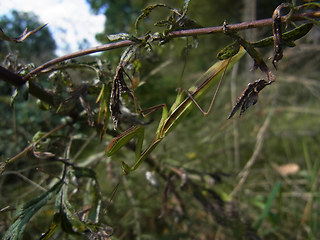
(184,103)
(186,100)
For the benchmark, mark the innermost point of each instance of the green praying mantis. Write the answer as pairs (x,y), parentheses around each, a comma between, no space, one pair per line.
(187,100)
(183,104)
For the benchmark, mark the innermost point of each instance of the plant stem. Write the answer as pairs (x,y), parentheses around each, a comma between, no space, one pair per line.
(174,34)
(34,143)
(47,97)
(34,89)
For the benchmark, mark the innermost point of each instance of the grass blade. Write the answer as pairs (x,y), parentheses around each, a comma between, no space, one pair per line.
(268,205)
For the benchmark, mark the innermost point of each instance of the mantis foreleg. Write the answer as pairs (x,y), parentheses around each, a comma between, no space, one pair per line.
(180,108)
(136,131)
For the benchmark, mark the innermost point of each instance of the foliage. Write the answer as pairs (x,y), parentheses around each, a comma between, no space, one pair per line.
(210,178)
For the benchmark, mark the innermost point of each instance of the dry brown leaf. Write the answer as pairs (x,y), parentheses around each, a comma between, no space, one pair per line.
(287,169)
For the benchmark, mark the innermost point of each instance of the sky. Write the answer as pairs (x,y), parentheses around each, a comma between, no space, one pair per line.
(70,21)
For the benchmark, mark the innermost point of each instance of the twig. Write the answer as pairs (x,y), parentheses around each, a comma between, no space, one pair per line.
(259,143)
(47,97)
(26,179)
(83,146)
(32,144)
(134,208)
(235,123)
(174,34)
(22,37)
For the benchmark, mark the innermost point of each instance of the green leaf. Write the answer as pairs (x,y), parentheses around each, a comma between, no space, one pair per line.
(104,111)
(70,221)
(287,37)
(49,233)
(95,191)
(65,215)
(43,105)
(21,93)
(96,204)
(13,96)
(27,211)
(266,211)
(146,12)
(122,36)
(228,51)
(52,228)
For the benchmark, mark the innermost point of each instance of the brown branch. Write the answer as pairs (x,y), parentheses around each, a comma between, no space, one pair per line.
(174,34)
(11,77)
(18,81)
(45,96)
(41,94)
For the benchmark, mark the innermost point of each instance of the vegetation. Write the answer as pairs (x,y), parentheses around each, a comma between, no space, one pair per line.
(85,155)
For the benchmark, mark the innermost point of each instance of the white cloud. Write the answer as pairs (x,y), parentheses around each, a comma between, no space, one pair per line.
(70,21)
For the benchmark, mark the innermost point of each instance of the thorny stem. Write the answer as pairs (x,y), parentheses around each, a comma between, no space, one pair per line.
(174,34)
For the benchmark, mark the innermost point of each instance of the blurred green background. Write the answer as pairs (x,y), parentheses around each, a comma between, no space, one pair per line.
(264,164)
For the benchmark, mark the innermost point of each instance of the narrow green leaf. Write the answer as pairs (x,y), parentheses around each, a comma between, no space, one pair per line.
(287,37)
(104,111)
(146,12)
(13,96)
(228,51)
(96,203)
(95,191)
(27,211)
(266,211)
(49,233)
(70,221)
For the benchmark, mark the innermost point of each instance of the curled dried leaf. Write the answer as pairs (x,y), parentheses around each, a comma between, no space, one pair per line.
(277,33)
(249,96)
(86,105)
(47,156)
(118,88)
(277,38)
